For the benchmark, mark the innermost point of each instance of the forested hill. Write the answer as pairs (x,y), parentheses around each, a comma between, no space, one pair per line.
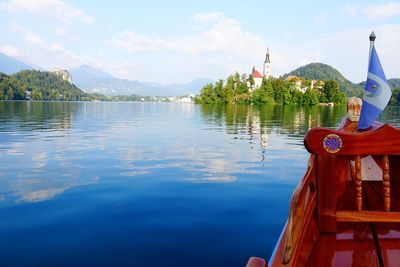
(394,83)
(38,85)
(320,71)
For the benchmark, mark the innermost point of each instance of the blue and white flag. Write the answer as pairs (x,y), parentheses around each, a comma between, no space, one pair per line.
(377,94)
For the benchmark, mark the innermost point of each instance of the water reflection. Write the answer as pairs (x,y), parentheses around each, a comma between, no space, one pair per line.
(256,123)
(55,146)
(83,179)
(35,147)
(37,115)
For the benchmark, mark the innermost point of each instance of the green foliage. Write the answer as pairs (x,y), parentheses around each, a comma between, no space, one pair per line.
(282,92)
(310,97)
(331,93)
(394,83)
(235,90)
(271,91)
(38,85)
(264,94)
(395,98)
(319,71)
(207,95)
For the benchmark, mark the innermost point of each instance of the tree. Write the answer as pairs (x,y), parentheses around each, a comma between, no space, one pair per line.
(229,89)
(207,95)
(282,94)
(264,94)
(310,97)
(331,93)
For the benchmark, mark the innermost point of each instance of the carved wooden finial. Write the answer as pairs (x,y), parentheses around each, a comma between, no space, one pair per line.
(386,183)
(358,183)
(354,108)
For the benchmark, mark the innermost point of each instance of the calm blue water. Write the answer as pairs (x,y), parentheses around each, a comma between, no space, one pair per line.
(148,184)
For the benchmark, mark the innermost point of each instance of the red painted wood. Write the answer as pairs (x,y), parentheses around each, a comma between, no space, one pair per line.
(387,234)
(386,183)
(353,245)
(367,216)
(256,262)
(331,172)
(382,141)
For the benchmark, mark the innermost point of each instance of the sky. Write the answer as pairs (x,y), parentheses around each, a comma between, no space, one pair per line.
(178,41)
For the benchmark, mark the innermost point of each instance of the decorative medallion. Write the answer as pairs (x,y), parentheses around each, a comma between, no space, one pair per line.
(332,143)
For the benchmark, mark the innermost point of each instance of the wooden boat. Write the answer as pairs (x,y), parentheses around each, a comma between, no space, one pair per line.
(345,211)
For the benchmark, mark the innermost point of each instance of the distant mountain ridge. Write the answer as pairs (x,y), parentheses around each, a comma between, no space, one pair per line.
(115,86)
(9,65)
(92,80)
(394,83)
(84,74)
(320,71)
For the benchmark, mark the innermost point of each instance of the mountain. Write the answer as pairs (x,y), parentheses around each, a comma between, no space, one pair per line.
(114,86)
(192,87)
(85,74)
(394,83)
(38,85)
(320,71)
(92,80)
(9,65)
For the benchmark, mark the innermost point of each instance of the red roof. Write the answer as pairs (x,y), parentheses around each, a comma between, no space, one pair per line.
(256,74)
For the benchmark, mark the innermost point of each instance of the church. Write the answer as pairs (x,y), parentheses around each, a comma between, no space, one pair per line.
(257,77)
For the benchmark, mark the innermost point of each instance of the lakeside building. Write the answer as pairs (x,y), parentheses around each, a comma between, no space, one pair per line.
(302,85)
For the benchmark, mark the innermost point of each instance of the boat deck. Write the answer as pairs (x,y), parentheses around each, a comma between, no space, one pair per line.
(361,244)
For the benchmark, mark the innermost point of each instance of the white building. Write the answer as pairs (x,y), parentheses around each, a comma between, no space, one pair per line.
(257,78)
(267,66)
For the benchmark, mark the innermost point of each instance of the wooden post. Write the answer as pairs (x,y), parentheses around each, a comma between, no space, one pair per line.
(358,183)
(386,183)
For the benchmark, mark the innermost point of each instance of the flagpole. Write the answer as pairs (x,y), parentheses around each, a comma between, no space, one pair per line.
(371,45)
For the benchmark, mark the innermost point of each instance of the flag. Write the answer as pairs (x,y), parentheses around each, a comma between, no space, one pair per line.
(377,93)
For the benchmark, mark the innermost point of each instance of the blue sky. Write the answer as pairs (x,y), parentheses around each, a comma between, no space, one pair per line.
(176,41)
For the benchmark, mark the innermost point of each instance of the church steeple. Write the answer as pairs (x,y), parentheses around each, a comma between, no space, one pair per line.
(267,66)
(267,57)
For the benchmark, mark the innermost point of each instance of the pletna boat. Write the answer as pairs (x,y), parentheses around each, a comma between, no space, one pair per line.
(345,211)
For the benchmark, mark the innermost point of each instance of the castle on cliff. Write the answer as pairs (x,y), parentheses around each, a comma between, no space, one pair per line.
(63,74)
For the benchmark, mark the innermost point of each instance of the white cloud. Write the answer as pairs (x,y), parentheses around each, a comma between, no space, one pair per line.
(45,53)
(55,9)
(382,11)
(348,52)
(10,51)
(54,47)
(220,47)
(224,36)
(33,39)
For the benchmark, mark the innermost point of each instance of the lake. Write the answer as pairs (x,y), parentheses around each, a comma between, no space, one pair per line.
(149,184)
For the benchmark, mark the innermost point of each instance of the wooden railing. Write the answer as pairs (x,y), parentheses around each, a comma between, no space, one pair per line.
(301,208)
(332,160)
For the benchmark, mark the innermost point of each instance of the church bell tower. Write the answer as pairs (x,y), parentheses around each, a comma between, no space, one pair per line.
(267,66)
